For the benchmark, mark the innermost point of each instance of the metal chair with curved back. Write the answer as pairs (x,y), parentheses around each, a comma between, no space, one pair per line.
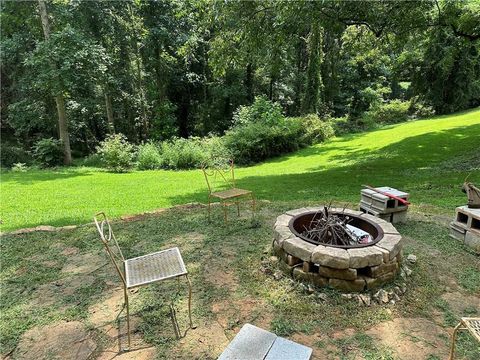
(229,194)
(142,270)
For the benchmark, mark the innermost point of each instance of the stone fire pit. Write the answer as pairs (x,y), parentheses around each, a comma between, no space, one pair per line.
(347,268)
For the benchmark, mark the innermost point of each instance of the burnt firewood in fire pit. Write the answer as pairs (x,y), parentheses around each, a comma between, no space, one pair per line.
(330,229)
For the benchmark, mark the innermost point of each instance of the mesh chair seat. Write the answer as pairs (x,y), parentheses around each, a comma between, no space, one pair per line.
(230,193)
(154,267)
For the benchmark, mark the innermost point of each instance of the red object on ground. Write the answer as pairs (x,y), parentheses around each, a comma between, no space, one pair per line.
(403,201)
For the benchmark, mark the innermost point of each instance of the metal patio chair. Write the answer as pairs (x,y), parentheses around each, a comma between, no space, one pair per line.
(228,194)
(143,270)
(470,324)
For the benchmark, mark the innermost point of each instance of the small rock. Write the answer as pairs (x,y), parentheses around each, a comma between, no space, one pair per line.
(382,296)
(365,299)
(396,297)
(311,289)
(407,270)
(273,259)
(347,296)
(277,275)
(397,290)
(322,296)
(404,288)
(392,302)
(412,259)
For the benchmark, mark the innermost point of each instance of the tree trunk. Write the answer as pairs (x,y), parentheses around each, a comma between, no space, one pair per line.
(59,100)
(311,103)
(249,82)
(108,106)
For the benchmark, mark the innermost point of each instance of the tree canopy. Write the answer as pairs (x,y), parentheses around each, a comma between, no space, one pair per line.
(152,70)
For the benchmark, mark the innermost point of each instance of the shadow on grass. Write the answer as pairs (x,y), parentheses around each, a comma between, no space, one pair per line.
(35,176)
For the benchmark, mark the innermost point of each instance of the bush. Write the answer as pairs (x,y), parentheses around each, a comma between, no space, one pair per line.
(11,154)
(255,142)
(48,152)
(180,153)
(148,157)
(19,167)
(261,111)
(315,130)
(93,160)
(116,153)
(394,112)
(418,109)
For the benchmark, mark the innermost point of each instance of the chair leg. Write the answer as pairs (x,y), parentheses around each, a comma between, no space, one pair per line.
(225,219)
(209,209)
(253,205)
(238,208)
(125,292)
(454,337)
(190,302)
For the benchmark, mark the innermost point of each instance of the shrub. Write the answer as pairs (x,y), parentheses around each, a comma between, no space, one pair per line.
(180,153)
(148,157)
(418,109)
(255,142)
(93,160)
(314,129)
(19,167)
(48,152)
(11,154)
(395,111)
(116,153)
(261,111)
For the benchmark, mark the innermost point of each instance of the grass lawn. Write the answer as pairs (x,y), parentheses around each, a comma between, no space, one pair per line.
(51,280)
(59,285)
(428,158)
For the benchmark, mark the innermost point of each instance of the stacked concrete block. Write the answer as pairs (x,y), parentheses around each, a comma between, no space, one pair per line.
(383,206)
(466,227)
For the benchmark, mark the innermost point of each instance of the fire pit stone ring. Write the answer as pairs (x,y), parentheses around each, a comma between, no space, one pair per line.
(346,268)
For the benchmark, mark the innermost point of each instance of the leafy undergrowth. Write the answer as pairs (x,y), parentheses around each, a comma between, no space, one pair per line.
(428,158)
(43,281)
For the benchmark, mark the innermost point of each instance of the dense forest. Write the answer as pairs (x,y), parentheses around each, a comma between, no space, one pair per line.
(155,70)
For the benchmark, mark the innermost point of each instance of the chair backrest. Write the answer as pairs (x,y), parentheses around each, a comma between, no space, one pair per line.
(218,176)
(111,245)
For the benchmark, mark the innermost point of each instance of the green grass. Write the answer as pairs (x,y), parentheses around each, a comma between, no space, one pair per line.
(429,158)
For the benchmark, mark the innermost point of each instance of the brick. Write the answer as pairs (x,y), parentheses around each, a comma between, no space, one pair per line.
(330,256)
(292,260)
(299,248)
(392,243)
(377,271)
(348,285)
(281,233)
(345,274)
(283,219)
(472,239)
(386,253)
(296,212)
(366,256)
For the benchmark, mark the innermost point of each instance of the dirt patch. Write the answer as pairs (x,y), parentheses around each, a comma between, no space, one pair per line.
(219,277)
(411,338)
(461,303)
(64,340)
(312,341)
(105,312)
(207,341)
(232,314)
(84,263)
(69,251)
(48,294)
(135,354)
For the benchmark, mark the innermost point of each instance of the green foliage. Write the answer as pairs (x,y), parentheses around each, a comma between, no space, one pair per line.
(261,111)
(315,129)
(180,153)
(116,153)
(390,113)
(19,167)
(11,154)
(148,157)
(419,109)
(48,152)
(93,160)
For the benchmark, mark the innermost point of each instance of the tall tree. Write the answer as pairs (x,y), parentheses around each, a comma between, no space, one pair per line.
(59,99)
(312,99)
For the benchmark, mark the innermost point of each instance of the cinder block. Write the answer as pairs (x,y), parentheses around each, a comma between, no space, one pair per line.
(472,239)
(399,217)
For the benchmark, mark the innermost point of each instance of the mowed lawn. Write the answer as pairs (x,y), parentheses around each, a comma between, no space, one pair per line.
(428,158)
